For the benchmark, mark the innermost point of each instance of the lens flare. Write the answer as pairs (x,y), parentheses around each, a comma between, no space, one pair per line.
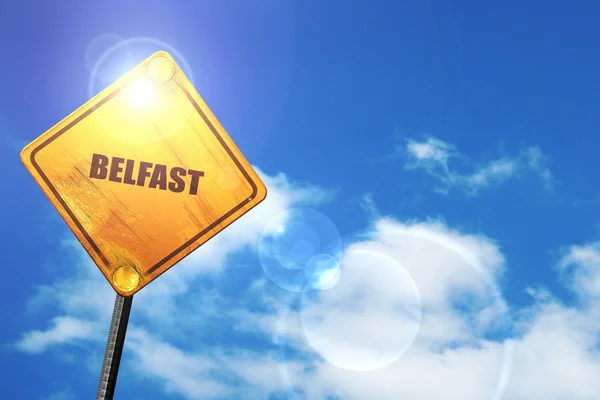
(369,319)
(300,250)
(141,93)
(147,101)
(113,66)
(322,271)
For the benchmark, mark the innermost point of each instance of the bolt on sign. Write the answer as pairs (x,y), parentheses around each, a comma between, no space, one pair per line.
(143,174)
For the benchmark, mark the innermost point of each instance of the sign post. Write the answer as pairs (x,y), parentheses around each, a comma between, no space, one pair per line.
(114,348)
(143,174)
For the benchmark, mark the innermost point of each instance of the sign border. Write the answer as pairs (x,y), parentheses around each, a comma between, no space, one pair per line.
(196,237)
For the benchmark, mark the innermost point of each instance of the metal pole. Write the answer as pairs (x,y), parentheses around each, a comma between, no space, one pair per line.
(114,348)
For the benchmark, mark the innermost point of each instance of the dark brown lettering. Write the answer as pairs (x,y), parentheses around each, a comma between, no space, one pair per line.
(98,168)
(115,169)
(155,176)
(159,177)
(195,178)
(143,173)
(177,185)
(128,177)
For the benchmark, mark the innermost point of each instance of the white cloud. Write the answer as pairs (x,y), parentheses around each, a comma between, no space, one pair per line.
(368,319)
(63,330)
(177,302)
(368,205)
(553,355)
(180,372)
(434,156)
(581,268)
(461,349)
(557,358)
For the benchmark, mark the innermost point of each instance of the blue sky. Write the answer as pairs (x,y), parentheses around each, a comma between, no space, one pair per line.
(452,145)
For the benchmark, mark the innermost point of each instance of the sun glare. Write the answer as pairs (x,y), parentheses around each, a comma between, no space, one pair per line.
(141,92)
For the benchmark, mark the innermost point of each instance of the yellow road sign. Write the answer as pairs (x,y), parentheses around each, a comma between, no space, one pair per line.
(143,174)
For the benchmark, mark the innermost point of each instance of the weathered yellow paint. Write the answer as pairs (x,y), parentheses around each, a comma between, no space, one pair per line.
(153,114)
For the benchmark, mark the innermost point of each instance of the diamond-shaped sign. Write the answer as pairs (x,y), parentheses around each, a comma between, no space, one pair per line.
(143,174)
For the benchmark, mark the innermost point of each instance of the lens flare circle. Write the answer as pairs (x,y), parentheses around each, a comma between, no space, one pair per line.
(374,287)
(327,330)
(300,249)
(111,67)
(322,271)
